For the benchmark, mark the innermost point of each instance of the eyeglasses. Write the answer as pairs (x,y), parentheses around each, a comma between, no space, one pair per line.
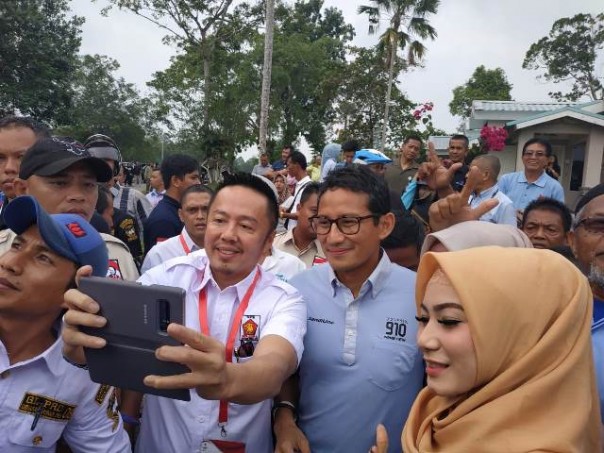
(593,225)
(346,225)
(534,154)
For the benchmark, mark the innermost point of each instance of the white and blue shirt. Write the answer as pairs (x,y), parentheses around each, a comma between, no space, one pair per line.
(45,397)
(361,365)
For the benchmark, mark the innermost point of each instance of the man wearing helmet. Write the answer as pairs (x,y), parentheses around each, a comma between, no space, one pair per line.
(125,198)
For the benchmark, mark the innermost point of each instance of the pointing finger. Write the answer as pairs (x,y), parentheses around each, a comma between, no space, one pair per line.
(485,207)
(471,182)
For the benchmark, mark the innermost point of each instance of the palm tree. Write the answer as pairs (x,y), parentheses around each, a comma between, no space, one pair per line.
(407,25)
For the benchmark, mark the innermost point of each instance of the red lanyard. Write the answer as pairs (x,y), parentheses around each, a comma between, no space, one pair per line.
(230,344)
(185,247)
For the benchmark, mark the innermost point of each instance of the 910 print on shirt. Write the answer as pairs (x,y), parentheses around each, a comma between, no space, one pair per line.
(395,329)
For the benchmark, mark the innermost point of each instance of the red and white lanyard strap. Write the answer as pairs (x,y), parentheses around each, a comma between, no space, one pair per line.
(185,247)
(230,344)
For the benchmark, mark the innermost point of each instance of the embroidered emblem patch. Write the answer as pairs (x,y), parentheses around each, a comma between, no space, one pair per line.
(46,407)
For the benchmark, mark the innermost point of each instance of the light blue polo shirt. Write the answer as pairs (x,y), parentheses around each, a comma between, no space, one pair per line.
(521,192)
(361,365)
(503,214)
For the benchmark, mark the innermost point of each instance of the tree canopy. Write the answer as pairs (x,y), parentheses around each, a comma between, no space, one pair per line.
(207,101)
(485,84)
(568,54)
(38,54)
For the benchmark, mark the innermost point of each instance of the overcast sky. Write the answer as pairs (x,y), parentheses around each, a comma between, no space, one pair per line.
(470,33)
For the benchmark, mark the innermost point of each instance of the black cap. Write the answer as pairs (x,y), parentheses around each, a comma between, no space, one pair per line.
(594,192)
(50,156)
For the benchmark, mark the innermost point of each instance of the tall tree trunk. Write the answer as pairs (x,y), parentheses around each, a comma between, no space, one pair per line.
(266,74)
(393,45)
(206,56)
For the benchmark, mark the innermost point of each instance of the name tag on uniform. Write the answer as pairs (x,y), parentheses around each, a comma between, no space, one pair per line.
(46,407)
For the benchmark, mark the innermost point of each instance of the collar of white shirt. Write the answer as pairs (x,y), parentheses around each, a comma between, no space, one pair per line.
(192,246)
(241,287)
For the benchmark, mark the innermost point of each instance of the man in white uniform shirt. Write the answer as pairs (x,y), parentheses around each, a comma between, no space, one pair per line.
(42,396)
(296,168)
(193,212)
(231,301)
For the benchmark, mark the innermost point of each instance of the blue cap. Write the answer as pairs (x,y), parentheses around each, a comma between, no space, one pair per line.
(68,235)
(371,156)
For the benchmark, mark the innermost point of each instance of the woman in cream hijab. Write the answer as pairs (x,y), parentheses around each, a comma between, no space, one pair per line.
(505,334)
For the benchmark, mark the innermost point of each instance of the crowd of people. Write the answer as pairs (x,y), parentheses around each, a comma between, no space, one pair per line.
(353,303)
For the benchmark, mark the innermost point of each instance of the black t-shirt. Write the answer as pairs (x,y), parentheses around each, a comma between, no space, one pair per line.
(163,222)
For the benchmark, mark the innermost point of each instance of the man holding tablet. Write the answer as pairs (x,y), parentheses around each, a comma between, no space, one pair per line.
(244,332)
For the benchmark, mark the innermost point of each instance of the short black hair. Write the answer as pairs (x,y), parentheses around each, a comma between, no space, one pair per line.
(407,231)
(39,129)
(177,165)
(298,158)
(413,137)
(493,163)
(196,188)
(250,181)
(540,141)
(351,145)
(359,179)
(551,205)
(465,139)
(310,189)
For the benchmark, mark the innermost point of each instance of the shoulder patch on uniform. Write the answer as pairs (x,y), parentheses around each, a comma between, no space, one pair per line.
(112,411)
(126,223)
(101,394)
(46,407)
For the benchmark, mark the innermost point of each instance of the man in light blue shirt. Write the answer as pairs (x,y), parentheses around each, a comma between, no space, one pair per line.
(487,188)
(525,186)
(361,365)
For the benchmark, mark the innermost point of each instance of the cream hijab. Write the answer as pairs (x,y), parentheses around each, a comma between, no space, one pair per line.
(476,233)
(530,313)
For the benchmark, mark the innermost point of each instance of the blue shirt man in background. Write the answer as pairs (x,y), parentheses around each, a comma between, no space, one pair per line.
(522,187)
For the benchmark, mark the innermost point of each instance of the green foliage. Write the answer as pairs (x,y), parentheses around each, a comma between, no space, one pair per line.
(361,98)
(485,84)
(104,104)
(408,26)
(569,53)
(38,53)
(308,58)
(245,165)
